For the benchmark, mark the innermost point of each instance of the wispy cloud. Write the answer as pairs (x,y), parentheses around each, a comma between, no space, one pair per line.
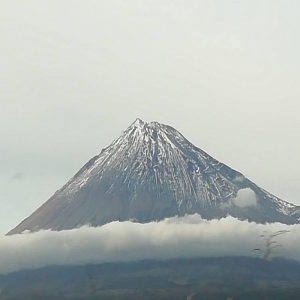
(189,236)
(18,176)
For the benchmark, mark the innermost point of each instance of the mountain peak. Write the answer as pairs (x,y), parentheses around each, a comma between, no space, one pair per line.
(147,132)
(152,172)
(140,124)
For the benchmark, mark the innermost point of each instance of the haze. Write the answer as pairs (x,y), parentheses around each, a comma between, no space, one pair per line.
(74,74)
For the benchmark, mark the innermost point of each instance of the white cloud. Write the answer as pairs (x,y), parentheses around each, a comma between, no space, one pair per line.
(245,198)
(189,236)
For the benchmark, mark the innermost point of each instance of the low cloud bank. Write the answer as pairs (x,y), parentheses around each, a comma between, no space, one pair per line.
(189,236)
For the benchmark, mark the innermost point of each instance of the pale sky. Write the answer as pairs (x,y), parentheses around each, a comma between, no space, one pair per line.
(75,74)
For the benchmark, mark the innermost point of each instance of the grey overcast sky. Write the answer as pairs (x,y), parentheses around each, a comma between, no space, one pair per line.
(74,74)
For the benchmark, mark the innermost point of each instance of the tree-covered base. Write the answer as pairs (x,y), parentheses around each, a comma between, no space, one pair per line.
(181,279)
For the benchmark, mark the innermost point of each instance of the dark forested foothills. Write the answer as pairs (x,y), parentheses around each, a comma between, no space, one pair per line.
(182,279)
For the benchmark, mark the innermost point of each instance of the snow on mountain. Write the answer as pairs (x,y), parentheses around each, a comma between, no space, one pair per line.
(152,172)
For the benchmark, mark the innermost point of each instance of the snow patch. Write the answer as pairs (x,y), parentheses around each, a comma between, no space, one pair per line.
(239,178)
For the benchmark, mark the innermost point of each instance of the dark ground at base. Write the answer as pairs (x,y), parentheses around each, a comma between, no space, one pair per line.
(180,279)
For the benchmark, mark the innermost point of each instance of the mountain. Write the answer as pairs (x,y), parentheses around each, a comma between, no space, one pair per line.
(152,172)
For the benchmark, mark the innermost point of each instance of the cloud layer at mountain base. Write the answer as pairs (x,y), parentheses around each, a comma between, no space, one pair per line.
(189,236)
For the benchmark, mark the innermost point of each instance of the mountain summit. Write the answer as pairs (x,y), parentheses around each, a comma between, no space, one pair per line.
(152,172)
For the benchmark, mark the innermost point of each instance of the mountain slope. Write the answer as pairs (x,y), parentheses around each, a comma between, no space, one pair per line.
(152,172)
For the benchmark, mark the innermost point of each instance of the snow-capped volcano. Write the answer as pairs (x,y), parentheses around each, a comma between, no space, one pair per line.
(152,172)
